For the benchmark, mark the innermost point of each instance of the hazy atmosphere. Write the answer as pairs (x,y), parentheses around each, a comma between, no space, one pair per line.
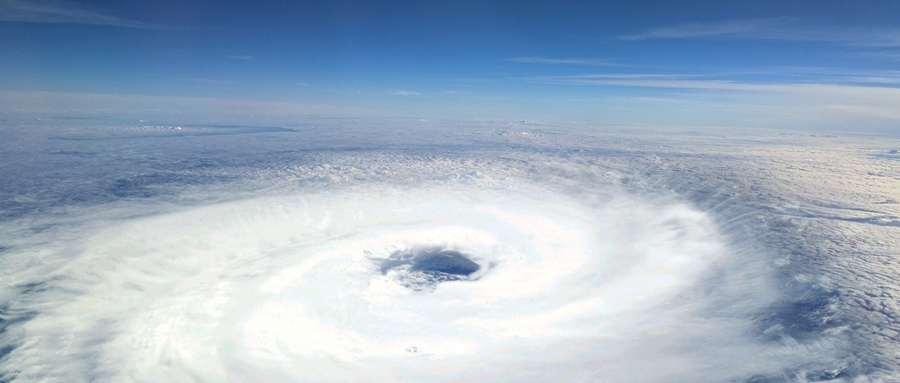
(798,64)
(490,191)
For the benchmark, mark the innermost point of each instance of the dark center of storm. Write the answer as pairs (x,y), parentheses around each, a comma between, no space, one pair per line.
(423,269)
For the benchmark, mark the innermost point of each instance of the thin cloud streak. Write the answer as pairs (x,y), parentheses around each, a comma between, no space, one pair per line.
(405,93)
(780,28)
(871,101)
(557,61)
(809,75)
(695,82)
(64,12)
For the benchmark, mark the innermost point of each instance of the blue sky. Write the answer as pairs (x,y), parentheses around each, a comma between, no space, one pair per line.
(777,64)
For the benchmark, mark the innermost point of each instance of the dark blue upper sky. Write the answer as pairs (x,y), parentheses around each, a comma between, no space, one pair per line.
(761,63)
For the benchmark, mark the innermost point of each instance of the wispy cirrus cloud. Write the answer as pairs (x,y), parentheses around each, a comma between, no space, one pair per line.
(873,81)
(653,81)
(64,12)
(405,93)
(884,54)
(836,75)
(561,61)
(876,99)
(206,81)
(779,28)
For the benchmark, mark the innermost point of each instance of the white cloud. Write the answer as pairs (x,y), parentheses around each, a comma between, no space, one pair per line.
(64,12)
(405,93)
(780,28)
(884,54)
(807,74)
(560,61)
(207,81)
(690,99)
(699,83)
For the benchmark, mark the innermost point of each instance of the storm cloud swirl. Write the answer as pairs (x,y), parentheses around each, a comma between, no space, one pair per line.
(506,256)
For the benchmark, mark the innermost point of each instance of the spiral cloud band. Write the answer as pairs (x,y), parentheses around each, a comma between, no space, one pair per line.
(296,289)
(460,271)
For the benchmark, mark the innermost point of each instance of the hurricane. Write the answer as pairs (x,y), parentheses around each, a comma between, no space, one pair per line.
(541,253)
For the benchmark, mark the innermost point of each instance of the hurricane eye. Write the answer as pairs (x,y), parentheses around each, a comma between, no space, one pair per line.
(424,268)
